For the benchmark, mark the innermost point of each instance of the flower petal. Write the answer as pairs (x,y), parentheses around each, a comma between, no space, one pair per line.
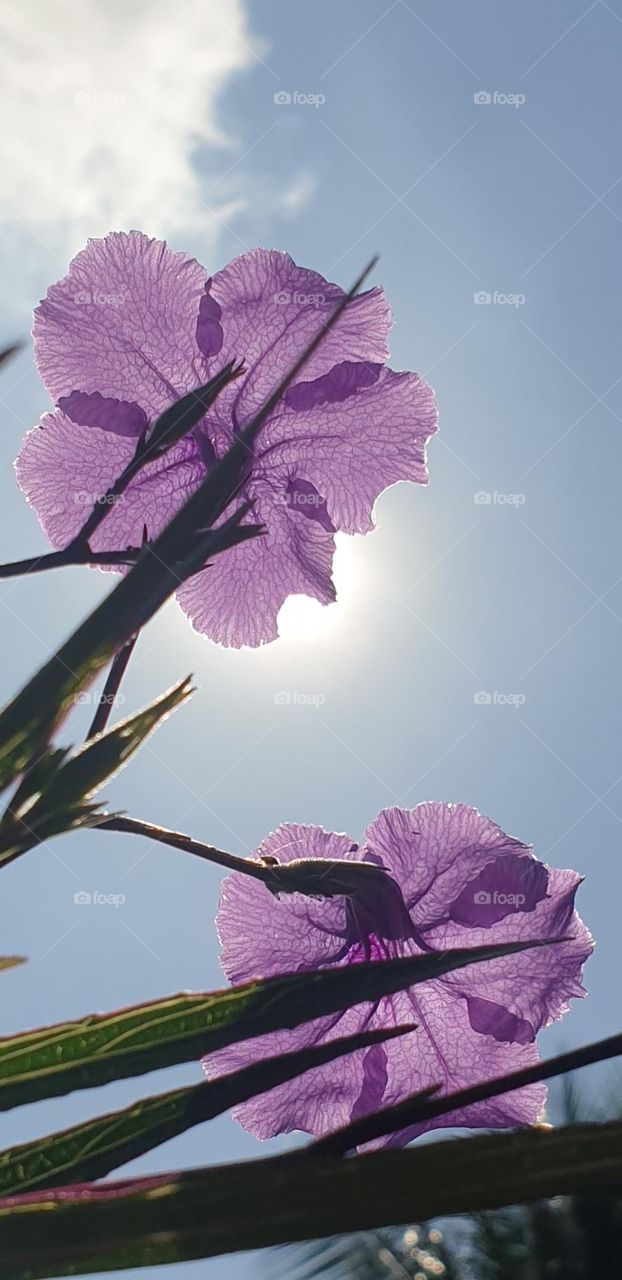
(270,309)
(89,409)
(434,849)
(440,853)
(316,1102)
(64,468)
(472,1025)
(262,935)
(353,448)
(446,1051)
(236,599)
(122,322)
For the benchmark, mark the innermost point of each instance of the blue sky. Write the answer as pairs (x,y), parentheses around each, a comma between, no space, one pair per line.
(503,578)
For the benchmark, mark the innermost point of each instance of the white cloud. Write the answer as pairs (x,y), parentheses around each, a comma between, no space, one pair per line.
(104,105)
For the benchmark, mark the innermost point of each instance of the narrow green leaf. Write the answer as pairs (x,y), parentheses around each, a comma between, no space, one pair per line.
(129,1042)
(252,1205)
(54,795)
(93,1149)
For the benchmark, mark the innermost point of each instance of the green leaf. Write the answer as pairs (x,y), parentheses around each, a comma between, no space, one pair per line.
(93,1149)
(207,1212)
(129,1042)
(53,797)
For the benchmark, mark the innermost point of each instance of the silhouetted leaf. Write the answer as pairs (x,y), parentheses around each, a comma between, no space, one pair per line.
(129,1042)
(95,1148)
(55,795)
(222,1209)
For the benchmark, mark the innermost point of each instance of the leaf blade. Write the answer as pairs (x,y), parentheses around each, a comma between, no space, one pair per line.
(54,796)
(180,1216)
(84,1054)
(97,1147)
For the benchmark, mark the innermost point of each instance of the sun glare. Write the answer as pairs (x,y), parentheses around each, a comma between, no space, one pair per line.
(302,619)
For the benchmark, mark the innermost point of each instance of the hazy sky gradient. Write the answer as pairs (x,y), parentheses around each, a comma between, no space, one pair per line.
(517,595)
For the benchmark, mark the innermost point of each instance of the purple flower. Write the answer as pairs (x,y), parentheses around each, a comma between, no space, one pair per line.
(131,327)
(452,879)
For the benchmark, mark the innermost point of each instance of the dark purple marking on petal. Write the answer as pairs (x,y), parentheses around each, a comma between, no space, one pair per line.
(503,887)
(375,1078)
(303,497)
(340,382)
(90,409)
(491,1019)
(209,329)
(377,918)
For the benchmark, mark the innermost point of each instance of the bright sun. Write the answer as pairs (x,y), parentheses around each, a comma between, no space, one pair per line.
(302,619)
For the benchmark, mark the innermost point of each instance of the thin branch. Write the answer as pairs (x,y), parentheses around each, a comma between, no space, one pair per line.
(135,826)
(111,688)
(66,558)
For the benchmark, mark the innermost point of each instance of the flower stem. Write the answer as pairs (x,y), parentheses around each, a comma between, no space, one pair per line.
(111,688)
(71,555)
(135,826)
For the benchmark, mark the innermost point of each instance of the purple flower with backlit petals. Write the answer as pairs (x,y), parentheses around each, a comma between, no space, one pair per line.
(133,326)
(452,879)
